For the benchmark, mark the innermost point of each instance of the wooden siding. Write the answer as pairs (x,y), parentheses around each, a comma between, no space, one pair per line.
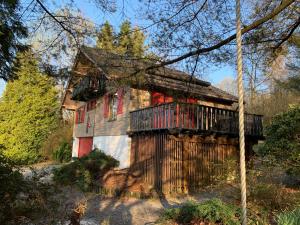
(82,129)
(180,164)
(133,99)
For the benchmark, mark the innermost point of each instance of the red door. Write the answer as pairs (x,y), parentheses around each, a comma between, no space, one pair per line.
(85,146)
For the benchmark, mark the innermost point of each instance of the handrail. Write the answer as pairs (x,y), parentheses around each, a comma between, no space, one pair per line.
(192,117)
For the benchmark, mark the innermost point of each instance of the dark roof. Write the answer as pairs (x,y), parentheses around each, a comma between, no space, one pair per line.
(115,66)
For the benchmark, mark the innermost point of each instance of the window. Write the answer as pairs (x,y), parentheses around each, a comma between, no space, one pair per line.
(113,107)
(91,105)
(113,104)
(80,115)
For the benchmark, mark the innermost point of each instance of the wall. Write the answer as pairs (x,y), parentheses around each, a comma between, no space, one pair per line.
(82,129)
(75,147)
(115,146)
(120,126)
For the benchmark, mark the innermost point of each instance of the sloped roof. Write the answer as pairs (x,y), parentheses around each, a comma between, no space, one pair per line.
(115,66)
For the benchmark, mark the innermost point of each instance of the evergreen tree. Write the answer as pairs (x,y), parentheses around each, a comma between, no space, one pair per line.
(11,31)
(28,111)
(138,48)
(127,42)
(105,39)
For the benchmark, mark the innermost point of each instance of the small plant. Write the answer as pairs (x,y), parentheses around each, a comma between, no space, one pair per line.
(273,196)
(289,218)
(12,183)
(63,153)
(83,172)
(213,211)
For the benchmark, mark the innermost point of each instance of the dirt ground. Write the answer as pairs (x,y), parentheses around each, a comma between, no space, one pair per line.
(102,210)
(97,209)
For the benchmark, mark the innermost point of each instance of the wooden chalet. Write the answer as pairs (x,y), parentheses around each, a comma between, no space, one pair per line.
(174,130)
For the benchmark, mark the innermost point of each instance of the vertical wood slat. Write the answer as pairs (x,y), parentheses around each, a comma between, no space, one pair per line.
(167,166)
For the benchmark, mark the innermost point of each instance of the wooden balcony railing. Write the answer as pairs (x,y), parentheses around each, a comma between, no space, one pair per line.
(88,88)
(194,117)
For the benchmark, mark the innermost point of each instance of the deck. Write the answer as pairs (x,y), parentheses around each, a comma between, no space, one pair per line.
(193,117)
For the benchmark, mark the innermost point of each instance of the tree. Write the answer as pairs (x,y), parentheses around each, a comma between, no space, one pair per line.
(11,31)
(125,41)
(106,37)
(129,41)
(28,112)
(204,29)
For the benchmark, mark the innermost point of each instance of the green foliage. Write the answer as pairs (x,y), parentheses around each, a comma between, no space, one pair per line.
(62,134)
(289,218)
(129,41)
(106,37)
(84,171)
(214,211)
(282,139)
(63,153)
(273,196)
(12,183)
(28,111)
(11,30)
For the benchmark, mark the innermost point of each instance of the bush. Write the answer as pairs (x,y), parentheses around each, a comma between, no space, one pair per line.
(84,171)
(213,211)
(63,153)
(282,140)
(289,218)
(273,196)
(63,134)
(12,183)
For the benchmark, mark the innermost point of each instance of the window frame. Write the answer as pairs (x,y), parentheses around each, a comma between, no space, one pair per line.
(113,102)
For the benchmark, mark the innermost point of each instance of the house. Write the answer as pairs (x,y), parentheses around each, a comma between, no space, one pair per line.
(175,129)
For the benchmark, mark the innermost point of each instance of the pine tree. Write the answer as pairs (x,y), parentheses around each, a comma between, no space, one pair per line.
(28,111)
(127,42)
(138,39)
(105,39)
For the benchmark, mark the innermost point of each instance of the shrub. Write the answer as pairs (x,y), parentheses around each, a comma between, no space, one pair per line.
(213,211)
(63,134)
(63,153)
(273,196)
(12,183)
(289,218)
(282,140)
(84,171)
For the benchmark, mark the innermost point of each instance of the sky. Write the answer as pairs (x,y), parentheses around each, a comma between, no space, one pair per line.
(131,7)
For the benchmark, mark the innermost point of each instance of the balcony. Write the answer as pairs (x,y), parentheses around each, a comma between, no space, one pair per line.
(88,88)
(193,117)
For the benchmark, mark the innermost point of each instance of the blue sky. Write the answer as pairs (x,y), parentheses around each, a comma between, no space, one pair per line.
(131,7)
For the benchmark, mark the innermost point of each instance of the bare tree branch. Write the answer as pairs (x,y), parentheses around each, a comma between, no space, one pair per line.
(284,4)
(294,27)
(55,19)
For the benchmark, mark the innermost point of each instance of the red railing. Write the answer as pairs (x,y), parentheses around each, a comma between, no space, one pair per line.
(195,117)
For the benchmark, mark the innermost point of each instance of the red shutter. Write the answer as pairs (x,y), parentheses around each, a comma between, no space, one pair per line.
(106,106)
(168,99)
(120,101)
(157,98)
(192,100)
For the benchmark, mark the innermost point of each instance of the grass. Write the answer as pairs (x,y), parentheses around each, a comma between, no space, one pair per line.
(289,217)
